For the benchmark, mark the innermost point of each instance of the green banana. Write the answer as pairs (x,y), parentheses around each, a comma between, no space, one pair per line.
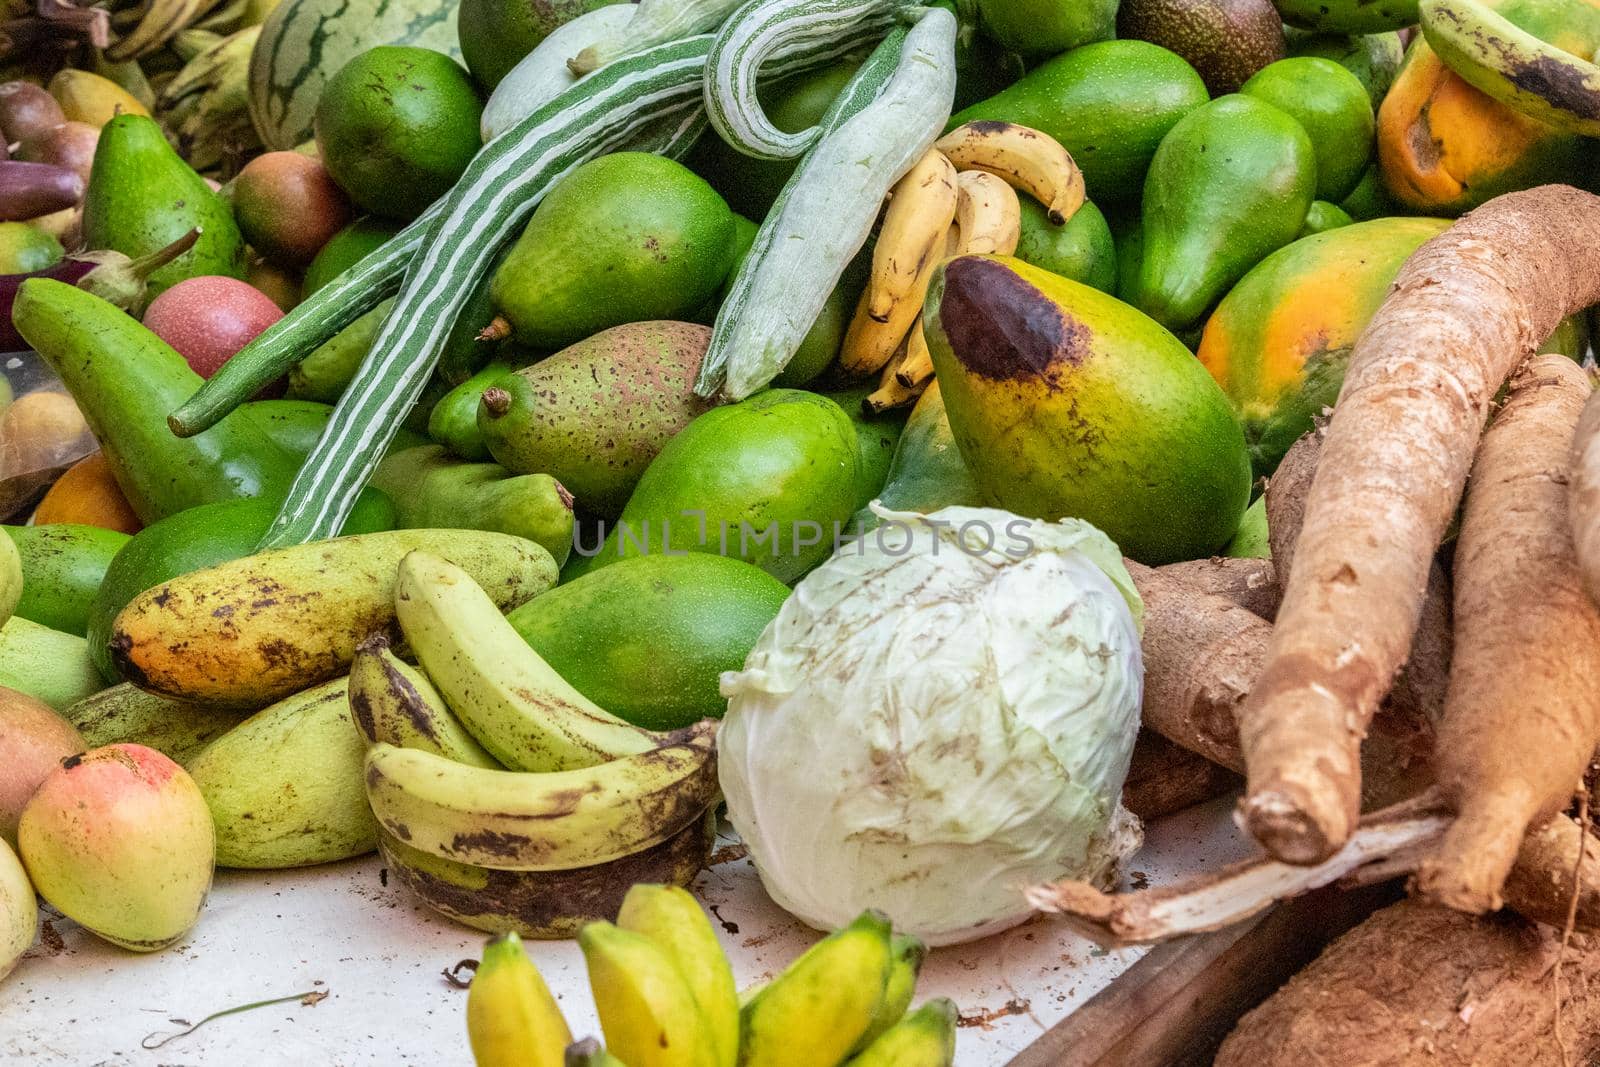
(512,1018)
(815,1012)
(395,704)
(516,821)
(512,701)
(590,1053)
(208,101)
(1515,67)
(672,918)
(925,1038)
(906,954)
(124,713)
(647,1011)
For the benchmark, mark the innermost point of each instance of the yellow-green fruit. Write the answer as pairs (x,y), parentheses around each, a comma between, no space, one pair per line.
(254,630)
(119,840)
(46,663)
(1066,402)
(19,911)
(285,786)
(10,578)
(34,739)
(646,1009)
(174,728)
(925,1038)
(1250,542)
(670,916)
(512,1019)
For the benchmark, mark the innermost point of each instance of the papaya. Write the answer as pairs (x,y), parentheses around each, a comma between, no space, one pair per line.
(1109,104)
(1067,402)
(1444,147)
(125,379)
(647,638)
(62,568)
(927,472)
(1082,249)
(1231,183)
(433,490)
(595,414)
(142,197)
(1279,341)
(769,480)
(88,494)
(877,434)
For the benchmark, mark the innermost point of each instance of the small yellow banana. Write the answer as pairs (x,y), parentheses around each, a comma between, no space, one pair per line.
(1025,158)
(925,1038)
(907,954)
(870,345)
(19,910)
(394,703)
(590,1053)
(670,916)
(917,366)
(647,1011)
(892,392)
(922,205)
(512,1019)
(988,215)
(816,1011)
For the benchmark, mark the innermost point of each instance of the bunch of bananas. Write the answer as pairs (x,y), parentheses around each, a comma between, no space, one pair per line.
(589,805)
(959,199)
(207,101)
(666,997)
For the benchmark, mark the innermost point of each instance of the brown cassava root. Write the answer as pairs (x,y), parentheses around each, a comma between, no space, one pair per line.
(1416,984)
(1286,497)
(1523,713)
(1466,309)
(1164,777)
(1583,499)
(1250,583)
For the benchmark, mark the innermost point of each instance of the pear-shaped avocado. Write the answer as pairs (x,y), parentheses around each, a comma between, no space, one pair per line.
(1067,402)
(142,197)
(1230,184)
(1226,41)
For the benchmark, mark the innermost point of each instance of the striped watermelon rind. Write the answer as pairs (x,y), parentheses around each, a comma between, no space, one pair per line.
(305,42)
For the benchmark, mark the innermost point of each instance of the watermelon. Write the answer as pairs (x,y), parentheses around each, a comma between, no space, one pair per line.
(305,42)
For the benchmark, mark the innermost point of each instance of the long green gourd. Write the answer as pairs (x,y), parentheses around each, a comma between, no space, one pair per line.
(825,212)
(653,22)
(748,38)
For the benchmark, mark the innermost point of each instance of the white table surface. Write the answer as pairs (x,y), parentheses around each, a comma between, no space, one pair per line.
(379,956)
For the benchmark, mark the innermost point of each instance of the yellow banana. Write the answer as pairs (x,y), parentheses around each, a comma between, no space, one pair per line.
(870,345)
(394,703)
(817,1010)
(921,207)
(647,1010)
(1027,159)
(988,215)
(925,1038)
(670,916)
(917,366)
(19,910)
(512,701)
(515,821)
(512,1019)
(160,21)
(590,1053)
(906,955)
(891,391)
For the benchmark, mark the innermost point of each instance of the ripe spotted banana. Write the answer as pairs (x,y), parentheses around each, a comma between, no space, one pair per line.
(925,1038)
(393,703)
(516,821)
(671,918)
(921,207)
(160,21)
(509,698)
(892,392)
(19,910)
(1520,70)
(988,215)
(817,1010)
(1027,159)
(917,366)
(646,1008)
(512,1019)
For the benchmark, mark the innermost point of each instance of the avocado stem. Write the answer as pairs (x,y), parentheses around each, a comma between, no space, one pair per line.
(496,401)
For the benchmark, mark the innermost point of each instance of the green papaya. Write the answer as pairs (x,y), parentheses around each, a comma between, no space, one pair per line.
(1229,185)
(768,480)
(596,413)
(1039,28)
(1082,250)
(1109,104)
(647,638)
(142,197)
(453,422)
(295,425)
(433,490)
(1067,402)
(877,434)
(927,472)
(125,380)
(62,567)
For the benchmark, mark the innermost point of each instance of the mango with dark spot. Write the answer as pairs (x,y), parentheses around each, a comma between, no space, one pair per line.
(1067,402)
(1279,341)
(174,728)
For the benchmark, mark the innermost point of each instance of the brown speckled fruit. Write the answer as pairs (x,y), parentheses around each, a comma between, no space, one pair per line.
(1226,41)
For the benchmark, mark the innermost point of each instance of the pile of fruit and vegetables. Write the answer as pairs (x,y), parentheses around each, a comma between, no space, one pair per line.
(928,442)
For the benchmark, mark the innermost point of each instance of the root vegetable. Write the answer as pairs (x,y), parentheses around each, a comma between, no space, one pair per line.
(1583,501)
(1250,583)
(1523,713)
(1163,777)
(1466,309)
(1286,498)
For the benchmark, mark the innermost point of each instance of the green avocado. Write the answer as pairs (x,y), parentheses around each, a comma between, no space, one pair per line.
(1333,106)
(1039,28)
(1374,58)
(295,425)
(648,638)
(62,567)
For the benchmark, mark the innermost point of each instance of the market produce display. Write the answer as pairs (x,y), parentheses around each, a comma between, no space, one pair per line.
(925,441)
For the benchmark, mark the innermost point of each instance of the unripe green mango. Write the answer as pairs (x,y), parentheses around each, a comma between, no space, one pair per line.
(764,480)
(126,713)
(62,567)
(1082,249)
(47,664)
(1066,402)
(295,425)
(1333,107)
(648,638)
(285,786)
(1229,185)
(1374,58)
(927,472)
(877,435)
(1038,28)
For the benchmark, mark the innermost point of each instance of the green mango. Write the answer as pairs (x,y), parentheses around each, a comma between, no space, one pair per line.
(1082,250)
(595,414)
(1039,28)
(1323,217)
(496,34)
(1250,540)
(877,435)
(1374,58)
(1109,104)
(142,197)
(62,567)
(433,490)
(125,380)
(125,713)
(1348,16)
(202,536)
(927,472)
(647,638)
(766,480)
(295,425)
(345,249)
(1129,237)
(1335,110)
(1067,402)
(1371,199)
(1229,185)
(453,422)
(46,664)
(624,238)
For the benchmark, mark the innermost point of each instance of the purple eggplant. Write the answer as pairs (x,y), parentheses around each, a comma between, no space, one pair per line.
(28,190)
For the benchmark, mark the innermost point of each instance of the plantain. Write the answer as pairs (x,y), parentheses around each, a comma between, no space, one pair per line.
(1024,158)
(159,22)
(988,215)
(394,703)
